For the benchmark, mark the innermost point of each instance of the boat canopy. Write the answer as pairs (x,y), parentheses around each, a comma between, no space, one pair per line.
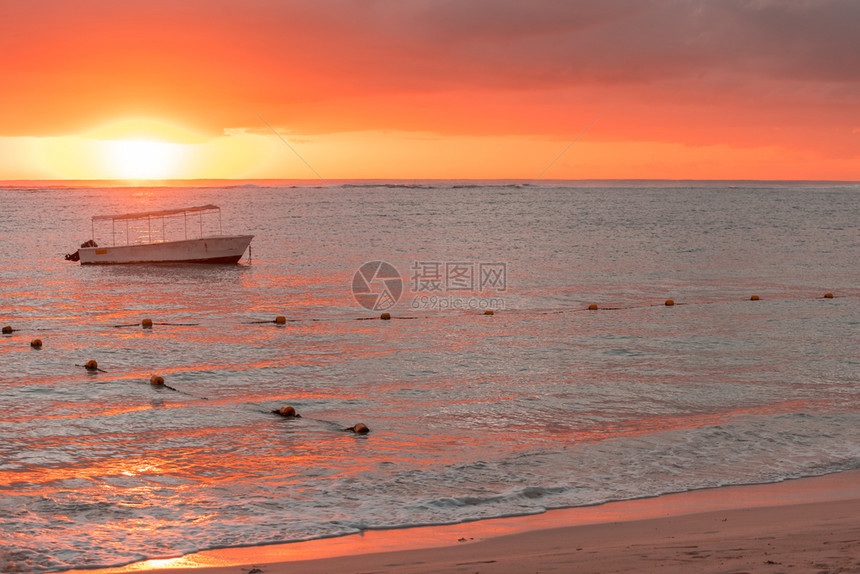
(162,213)
(138,226)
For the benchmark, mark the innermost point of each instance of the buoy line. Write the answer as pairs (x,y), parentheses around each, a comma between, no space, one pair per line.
(281,320)
(289,412)
(158,382)
(147,324)
(673,303)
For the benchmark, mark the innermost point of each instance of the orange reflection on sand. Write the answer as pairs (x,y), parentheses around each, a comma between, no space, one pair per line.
(840,486)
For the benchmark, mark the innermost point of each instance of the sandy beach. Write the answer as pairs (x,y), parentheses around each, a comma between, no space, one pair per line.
(807,525)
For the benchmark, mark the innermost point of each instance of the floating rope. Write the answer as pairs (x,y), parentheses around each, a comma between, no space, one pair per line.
(92,366)
(383,317)
(149,325)
(289,412)
(279,320)
(158,381)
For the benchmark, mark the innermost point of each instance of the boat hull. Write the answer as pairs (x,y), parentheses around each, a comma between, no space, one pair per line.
(215,249)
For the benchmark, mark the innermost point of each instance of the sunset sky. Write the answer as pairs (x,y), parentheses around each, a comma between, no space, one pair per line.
(719,89)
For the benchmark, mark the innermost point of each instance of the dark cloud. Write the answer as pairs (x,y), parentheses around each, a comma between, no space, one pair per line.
(643,41)
(810,40)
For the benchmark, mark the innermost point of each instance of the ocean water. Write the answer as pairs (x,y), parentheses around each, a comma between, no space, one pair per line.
(542,405)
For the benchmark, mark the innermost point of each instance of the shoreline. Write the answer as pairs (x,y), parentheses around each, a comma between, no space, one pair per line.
(812,522)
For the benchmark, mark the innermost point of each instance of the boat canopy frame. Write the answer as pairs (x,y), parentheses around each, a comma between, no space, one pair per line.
(149,216)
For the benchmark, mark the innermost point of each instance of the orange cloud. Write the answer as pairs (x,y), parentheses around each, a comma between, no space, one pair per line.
(741,74)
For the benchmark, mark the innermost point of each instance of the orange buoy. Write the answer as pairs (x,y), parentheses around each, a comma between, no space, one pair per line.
(146,323)
(670,302)
(36,343)
(360,428)
(7,329)
(592,307)
(754,298)
(826,296)
(91,365)
(288,412)
(156,381)
(489,312)
(280,320)
(385,316)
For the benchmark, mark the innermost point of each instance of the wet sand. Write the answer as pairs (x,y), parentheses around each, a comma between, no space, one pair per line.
(798,526)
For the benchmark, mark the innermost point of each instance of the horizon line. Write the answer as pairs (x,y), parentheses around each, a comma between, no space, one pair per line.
(170,181)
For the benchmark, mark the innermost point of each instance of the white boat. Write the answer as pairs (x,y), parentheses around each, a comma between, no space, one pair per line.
(143,246)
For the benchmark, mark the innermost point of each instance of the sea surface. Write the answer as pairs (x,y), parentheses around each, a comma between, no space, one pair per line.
(543,404)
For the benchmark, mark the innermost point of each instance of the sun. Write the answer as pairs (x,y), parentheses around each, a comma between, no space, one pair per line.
(149,150)
(142,159)
(143,148)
